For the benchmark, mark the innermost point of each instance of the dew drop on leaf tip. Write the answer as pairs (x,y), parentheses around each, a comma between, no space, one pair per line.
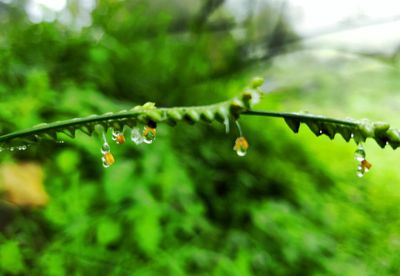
(149,134)
(241,146)
(136,136)
(360,173)
(118,137)
(359,154)
(364,166)
(105,148)
(108,159)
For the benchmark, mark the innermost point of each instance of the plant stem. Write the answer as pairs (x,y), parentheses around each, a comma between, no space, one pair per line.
(298,116)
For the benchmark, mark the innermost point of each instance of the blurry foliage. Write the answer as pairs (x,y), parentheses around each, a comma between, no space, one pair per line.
(185,204)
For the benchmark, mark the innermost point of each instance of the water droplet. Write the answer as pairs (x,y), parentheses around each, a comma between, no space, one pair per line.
(118,137)
(136,136)
(105,148)
(360,171)
(23,147)
(11,148)
(359,154)
(107,159)
(60,142)
(241,146)
(226,123)
(149,134)
(365,165)
(115,133)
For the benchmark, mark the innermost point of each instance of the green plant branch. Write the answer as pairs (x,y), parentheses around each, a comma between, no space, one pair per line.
(299,116)
(358,130)
(139,114)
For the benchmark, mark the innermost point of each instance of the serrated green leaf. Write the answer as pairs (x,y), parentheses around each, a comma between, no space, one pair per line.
(207,115)
(328,129)
(367,130)
(314,127)
(345,131)
(154,116)
(293,124)
(358,130)
(192,116)
(221,114)
(381,127)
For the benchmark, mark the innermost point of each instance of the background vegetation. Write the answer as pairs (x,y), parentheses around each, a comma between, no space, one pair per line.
(187,204)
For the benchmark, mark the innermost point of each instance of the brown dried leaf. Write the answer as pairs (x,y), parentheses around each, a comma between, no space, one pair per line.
(22,184)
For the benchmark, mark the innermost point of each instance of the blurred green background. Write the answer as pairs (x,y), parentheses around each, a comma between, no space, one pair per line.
(186,204)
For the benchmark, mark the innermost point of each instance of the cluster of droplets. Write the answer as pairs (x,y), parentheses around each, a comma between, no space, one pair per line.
(363,165)
(148,135)
(241,145)
(16,148)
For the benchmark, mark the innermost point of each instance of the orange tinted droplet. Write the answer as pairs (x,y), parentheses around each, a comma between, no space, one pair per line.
(120,139)
(108,159)
(366,165)
(149,134)
(149,130)
(241,146)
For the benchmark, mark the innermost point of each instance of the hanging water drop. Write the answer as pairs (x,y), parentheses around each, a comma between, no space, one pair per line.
(108,159)
(364,166)
(136,136)
(23,147)
(360,172)
(105,148)
(118,137)
(149,134)
(241,146)
(359,154)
